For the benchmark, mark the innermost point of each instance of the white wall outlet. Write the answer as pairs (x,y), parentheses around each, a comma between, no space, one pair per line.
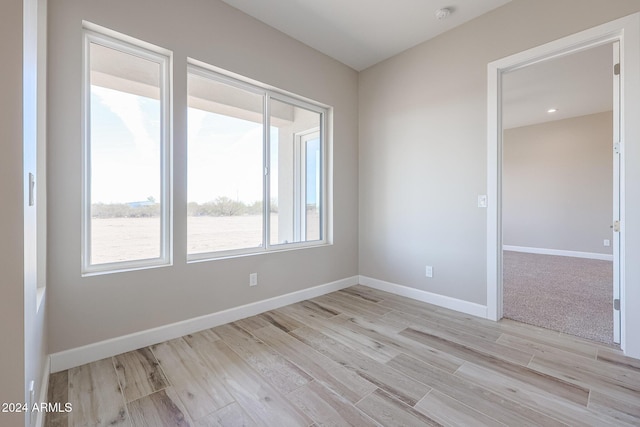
(482,201)
(429,271)
(253,279)
(607,242)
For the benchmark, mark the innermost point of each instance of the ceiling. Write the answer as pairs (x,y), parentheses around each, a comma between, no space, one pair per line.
(361,33)
(576,84)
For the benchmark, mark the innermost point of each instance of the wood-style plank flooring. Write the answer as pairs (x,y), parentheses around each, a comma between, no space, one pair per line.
(357,357)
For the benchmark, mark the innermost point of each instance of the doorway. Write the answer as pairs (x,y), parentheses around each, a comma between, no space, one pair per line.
(624,31)
(558,193)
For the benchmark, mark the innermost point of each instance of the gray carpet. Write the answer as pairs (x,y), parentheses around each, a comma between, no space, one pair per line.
(570,295)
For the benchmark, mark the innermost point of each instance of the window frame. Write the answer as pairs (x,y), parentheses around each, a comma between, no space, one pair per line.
(300,170)
(92,33)
(269,93)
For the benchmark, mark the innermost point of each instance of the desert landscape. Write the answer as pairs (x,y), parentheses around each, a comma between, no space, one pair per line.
(123,239)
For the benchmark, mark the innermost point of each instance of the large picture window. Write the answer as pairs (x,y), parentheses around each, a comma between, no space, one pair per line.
(256,168)
(126,220)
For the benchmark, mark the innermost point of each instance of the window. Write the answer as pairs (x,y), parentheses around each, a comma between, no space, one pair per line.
(296,189)
(126,187)
(256,168)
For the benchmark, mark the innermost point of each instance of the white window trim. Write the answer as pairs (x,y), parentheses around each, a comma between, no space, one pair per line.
(95,34)
(300,190)
(205,70)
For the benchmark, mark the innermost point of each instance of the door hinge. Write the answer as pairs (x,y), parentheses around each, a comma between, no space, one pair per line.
(616,69)
(616,148)
(616,304)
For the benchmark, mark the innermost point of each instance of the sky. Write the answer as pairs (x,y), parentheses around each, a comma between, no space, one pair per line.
(125,148)
(224,153)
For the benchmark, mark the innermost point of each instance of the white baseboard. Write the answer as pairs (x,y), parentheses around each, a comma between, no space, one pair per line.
(558,252)
(100,350)
(428,297)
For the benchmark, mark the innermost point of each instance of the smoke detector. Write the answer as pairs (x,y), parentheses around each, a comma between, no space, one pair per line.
(442,13)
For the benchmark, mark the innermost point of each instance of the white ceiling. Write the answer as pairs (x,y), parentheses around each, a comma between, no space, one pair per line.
(361,33)
(577,85)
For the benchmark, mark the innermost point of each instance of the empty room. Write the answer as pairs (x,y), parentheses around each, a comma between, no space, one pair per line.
(225,213)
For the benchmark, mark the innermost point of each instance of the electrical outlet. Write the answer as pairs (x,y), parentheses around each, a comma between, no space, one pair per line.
(607,242)
(253,279)
(429,271)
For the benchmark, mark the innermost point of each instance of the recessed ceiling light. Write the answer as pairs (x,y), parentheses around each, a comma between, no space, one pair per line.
(552,110)
(443,13)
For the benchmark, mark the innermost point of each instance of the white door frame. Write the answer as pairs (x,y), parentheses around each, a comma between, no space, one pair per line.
(627,32)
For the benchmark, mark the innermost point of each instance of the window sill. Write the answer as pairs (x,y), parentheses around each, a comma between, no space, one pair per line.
(216,256)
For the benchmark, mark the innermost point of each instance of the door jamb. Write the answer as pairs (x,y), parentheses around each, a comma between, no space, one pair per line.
(603,34)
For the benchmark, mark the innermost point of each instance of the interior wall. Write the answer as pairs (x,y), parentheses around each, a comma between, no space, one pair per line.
(84,310)
(11,221)
(423,144)
(557,182)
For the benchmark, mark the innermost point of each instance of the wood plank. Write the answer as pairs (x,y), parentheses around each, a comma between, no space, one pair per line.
(200,390)
(360,292)
(278,371)
(339,304)
(617,359)
(388,336)
(624,412)
(334,328)
(58,393)
(470,394)
(389,411)
(327,408)
(139,374)
(309,317)
(344,309)
(458,321)
(207,335)
(476,342)
(95,395)
(354,301)
(317,309)
(534,347)
(561,388)
(618,382)
(261,401)
(231,415)
(540,399)
(157,409)
(281,321)
(454,328)
(573,339)
(449,411)
(339,379)
(252,323)
(547,337)
(399,385)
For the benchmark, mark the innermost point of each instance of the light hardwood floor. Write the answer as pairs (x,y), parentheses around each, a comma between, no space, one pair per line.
(357,357)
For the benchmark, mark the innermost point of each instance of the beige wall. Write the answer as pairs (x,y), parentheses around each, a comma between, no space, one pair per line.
(558,184)
(12,361)
(91,309)
(423,144)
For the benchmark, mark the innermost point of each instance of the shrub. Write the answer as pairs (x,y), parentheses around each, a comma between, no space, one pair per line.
(124,210)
